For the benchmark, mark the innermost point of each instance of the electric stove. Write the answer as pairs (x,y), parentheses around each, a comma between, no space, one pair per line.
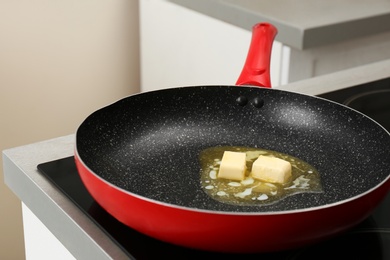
(368,240)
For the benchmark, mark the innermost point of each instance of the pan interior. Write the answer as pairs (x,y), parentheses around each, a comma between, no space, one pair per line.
(149,143)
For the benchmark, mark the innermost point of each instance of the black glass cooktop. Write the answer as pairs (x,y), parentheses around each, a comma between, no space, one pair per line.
(368,240)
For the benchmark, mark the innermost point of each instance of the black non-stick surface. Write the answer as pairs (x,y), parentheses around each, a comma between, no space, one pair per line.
(149,143)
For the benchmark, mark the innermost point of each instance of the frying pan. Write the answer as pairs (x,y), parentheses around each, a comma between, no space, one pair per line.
(139,159)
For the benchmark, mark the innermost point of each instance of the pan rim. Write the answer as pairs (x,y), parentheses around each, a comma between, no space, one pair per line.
(240,86)
(230,86)
(229,212)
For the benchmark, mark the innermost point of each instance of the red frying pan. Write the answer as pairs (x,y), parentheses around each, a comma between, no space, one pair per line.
(139,159)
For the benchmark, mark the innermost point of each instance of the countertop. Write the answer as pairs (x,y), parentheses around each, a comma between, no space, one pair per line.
(67,222)
(302,24)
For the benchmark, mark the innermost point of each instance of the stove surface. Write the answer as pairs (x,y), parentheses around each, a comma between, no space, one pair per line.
(369,240)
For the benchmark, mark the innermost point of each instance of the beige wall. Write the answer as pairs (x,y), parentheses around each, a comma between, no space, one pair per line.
(59,61)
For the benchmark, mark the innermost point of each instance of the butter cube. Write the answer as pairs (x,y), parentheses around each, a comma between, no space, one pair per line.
(233,166)
(271,169)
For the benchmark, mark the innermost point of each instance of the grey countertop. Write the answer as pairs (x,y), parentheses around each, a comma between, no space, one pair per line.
(67,222)
(302,24)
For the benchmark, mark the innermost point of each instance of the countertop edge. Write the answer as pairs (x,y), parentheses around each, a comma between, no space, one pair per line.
(293,36)
(67,222)
(341,79)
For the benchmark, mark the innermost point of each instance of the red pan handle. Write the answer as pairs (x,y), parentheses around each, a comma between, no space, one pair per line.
(256,70)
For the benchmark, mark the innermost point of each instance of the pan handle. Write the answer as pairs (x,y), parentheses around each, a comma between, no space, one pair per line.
(256,70)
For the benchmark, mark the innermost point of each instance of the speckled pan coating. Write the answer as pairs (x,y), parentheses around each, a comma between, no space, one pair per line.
(148,144)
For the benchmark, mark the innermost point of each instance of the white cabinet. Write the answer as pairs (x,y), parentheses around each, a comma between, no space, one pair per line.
(180,47)
(40,243)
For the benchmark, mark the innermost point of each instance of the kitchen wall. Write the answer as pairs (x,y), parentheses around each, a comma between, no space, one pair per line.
(59,61)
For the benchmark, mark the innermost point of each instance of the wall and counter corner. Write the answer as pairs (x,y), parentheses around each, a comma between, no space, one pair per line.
(60,60)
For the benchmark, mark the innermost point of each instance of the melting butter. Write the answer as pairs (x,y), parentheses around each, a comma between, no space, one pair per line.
(250,191)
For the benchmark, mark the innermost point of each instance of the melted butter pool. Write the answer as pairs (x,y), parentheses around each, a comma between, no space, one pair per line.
(250,191)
